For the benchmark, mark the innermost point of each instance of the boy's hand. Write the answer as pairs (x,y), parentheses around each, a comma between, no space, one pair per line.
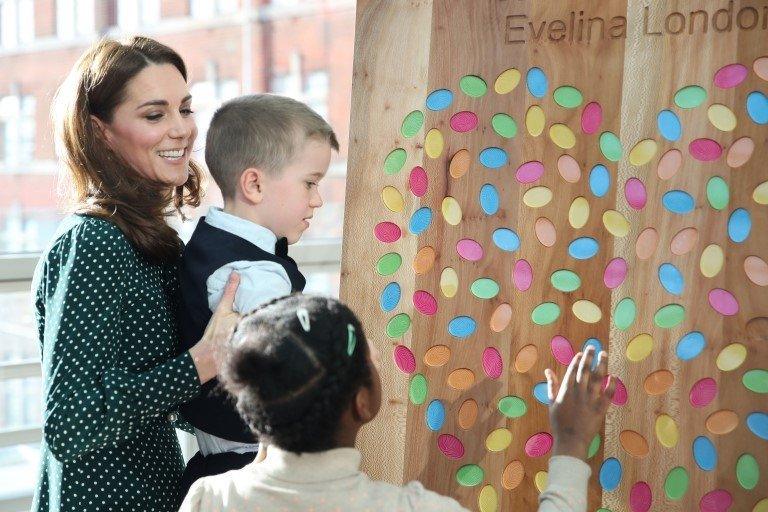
(578,404)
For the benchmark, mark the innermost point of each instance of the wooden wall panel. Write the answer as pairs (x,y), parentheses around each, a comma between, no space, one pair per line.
(627,57)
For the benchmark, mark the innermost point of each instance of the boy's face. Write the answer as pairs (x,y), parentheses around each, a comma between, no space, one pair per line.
(291,197)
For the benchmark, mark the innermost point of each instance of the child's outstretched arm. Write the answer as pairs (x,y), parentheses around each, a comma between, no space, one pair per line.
(577,409)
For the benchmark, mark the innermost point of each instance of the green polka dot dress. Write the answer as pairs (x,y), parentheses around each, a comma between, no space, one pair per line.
(111,378)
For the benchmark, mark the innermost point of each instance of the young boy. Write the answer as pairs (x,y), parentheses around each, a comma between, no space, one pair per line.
(267,154)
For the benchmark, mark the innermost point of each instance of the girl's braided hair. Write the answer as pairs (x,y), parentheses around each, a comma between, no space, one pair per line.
(292,384)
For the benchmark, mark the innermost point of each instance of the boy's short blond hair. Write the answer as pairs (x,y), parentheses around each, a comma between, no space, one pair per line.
(261,131)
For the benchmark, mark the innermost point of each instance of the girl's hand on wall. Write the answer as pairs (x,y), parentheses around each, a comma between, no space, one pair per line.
(578,404)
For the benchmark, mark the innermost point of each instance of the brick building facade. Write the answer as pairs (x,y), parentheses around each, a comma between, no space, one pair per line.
(300,48)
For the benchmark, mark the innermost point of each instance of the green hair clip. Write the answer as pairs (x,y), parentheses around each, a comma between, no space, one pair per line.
(351,339)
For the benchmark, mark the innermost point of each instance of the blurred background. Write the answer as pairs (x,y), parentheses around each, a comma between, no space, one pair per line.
(298,48)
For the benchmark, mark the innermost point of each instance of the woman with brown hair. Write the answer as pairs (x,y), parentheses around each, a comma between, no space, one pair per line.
(106,289)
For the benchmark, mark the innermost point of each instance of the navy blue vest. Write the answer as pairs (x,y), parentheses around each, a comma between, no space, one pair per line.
(213,410)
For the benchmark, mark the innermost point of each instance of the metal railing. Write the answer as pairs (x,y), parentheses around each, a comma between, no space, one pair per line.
(16,275)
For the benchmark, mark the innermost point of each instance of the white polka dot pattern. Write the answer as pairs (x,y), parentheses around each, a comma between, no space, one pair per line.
(107,325)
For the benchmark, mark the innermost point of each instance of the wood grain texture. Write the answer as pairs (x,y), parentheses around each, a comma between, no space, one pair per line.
(380,87)
(404,50)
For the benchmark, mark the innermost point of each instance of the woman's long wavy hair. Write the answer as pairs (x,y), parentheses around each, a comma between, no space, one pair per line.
(95,180)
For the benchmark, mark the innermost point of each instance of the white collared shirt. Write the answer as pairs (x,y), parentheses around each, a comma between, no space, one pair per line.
(332,481)
(260,281)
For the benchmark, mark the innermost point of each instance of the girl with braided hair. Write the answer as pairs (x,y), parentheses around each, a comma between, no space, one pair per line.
(305,381)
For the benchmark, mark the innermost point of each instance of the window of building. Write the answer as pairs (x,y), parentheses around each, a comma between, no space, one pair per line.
(75,18)
(209,8)
(134,14)
(17,22)
(310,88)
(316,92)
(17,132)
(208,95)
(286,3)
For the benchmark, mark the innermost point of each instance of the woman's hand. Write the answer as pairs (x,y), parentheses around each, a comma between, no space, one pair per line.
(579,403)
(218,331)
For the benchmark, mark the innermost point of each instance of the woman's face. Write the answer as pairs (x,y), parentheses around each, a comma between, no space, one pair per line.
(153,129)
